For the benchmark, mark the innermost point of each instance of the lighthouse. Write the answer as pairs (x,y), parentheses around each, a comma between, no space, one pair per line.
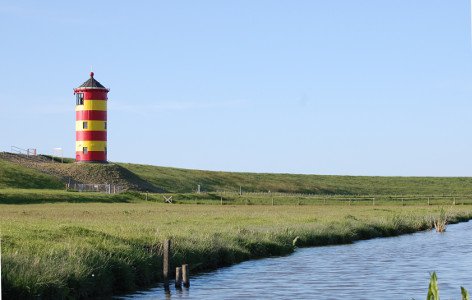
(91,121)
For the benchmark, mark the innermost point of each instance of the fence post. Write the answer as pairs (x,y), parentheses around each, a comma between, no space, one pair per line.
(166,263)
(373,201)
(178,277)
(185,276)
(428,201)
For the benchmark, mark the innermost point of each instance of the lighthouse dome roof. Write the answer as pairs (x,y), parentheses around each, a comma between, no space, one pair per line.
(91,83)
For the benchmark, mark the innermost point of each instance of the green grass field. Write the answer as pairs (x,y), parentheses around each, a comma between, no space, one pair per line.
(97,249)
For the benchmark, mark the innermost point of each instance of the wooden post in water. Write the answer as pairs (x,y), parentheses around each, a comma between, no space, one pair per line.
(185,276)
(0,268)
(166,263)
(178,277)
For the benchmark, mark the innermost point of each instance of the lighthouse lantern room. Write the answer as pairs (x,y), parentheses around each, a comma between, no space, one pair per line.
(91,121)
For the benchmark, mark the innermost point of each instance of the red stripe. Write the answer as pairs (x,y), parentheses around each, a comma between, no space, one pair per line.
(93,94)
(91,156)
(97,115)
(90,135)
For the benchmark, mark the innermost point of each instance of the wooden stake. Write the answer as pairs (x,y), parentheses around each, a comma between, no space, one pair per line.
(185,276)
(178,277)
(166,262)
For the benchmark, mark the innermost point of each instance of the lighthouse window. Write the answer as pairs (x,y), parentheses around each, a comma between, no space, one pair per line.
(85,150)
(105,125)
(79,99)
(84,125)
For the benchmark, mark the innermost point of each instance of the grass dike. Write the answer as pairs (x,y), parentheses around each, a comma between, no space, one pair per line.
(41,172)
(86,250)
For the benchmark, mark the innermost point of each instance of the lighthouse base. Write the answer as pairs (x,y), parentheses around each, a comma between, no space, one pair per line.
(91,156)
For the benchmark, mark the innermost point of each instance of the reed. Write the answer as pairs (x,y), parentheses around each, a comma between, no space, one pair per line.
(440,222)
(465,294)
(433,290)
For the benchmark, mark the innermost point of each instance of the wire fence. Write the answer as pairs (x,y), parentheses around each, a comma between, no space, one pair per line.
(100,188)
(270,198)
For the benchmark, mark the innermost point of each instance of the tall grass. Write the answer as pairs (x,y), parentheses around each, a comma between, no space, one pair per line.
(80,250)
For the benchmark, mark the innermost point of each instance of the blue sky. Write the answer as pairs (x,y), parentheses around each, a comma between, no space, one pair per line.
(347,87)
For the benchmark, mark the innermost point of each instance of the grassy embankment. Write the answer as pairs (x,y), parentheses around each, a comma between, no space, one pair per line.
(174,180)
(90,249)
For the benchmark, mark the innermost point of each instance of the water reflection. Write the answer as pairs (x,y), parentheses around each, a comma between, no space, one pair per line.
(388,268)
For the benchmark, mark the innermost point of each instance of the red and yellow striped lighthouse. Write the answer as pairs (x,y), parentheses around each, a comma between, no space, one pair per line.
(91,121)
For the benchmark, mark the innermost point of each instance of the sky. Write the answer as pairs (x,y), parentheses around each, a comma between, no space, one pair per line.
(341,87)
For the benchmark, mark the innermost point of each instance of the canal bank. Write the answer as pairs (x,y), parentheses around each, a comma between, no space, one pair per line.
(386,268)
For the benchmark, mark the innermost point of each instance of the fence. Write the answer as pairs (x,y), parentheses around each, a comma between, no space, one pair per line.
(278,198)
(100,188)
(27,152)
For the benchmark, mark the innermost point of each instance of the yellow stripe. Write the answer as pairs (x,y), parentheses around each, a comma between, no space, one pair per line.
(91,145)
(91,125)
(92,105)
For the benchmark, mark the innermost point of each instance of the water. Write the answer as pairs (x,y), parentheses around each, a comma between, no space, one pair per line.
(385,268)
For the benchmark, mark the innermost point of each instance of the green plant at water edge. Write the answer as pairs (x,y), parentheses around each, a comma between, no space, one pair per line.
(440,223)
(465,294)
(433,290)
